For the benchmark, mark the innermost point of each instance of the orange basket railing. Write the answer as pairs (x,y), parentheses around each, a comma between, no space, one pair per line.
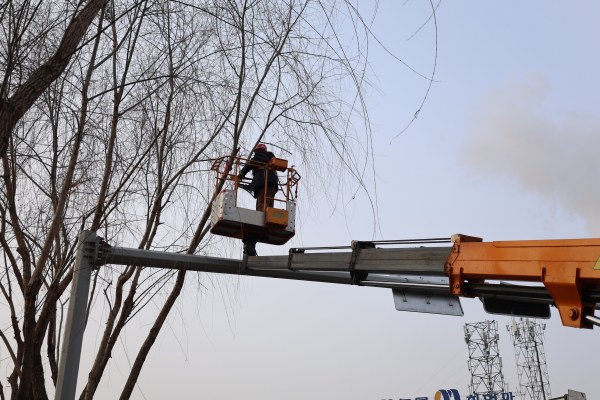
(227,168)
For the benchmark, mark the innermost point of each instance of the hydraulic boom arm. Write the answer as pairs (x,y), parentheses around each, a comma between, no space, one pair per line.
(566,268)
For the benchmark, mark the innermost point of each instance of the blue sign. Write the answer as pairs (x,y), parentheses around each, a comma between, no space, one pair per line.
(500,396)
(452,394)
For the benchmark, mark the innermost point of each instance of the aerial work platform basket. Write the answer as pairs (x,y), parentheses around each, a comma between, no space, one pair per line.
(276,225)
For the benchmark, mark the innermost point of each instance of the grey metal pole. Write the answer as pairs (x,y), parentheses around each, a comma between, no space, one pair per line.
(593,319)
(73,336)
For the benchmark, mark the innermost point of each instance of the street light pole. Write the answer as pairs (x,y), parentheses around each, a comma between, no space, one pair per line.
(76,314)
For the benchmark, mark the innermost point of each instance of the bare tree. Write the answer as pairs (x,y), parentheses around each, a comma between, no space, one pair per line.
(27,25)
(110,117)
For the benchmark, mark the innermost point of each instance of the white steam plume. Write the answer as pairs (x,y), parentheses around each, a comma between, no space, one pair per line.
(556,156)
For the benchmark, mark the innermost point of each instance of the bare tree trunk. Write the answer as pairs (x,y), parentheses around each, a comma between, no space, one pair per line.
(52,347)
(12,109)
(118,89)
(33,372)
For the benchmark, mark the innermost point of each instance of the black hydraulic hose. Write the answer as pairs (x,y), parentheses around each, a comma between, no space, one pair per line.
(485,289)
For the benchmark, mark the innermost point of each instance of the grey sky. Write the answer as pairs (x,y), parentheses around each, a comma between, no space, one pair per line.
(503,149)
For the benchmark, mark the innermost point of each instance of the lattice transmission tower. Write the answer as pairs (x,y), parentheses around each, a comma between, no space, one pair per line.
(527,336)
(485,363)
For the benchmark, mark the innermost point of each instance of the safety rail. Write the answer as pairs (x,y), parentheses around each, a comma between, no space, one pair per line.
(227,168)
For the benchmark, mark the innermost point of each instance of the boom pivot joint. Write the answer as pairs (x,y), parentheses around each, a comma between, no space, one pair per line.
(98,251)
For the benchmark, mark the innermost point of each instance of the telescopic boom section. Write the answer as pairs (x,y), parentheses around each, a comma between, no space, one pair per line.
(567,268)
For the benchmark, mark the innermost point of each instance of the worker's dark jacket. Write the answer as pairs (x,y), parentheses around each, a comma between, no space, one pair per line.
(258,180)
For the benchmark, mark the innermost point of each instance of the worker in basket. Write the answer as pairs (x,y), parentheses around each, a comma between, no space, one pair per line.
(257,187)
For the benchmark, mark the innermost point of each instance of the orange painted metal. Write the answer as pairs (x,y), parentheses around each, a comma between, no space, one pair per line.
(276,217)
(565,267)
(228,167)
(278,164)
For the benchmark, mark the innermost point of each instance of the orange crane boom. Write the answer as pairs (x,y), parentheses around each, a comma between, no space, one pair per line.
(565,267)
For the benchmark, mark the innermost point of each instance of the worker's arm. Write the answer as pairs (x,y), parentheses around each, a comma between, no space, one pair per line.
(247,168)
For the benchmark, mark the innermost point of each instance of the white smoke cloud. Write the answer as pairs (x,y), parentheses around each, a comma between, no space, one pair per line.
(554,155)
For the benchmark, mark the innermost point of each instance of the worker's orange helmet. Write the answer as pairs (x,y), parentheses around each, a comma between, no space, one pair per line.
(261,146)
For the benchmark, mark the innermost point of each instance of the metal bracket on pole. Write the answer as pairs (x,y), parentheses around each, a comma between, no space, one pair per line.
(291,257)
(243,263)
(97,251)
(358,276)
